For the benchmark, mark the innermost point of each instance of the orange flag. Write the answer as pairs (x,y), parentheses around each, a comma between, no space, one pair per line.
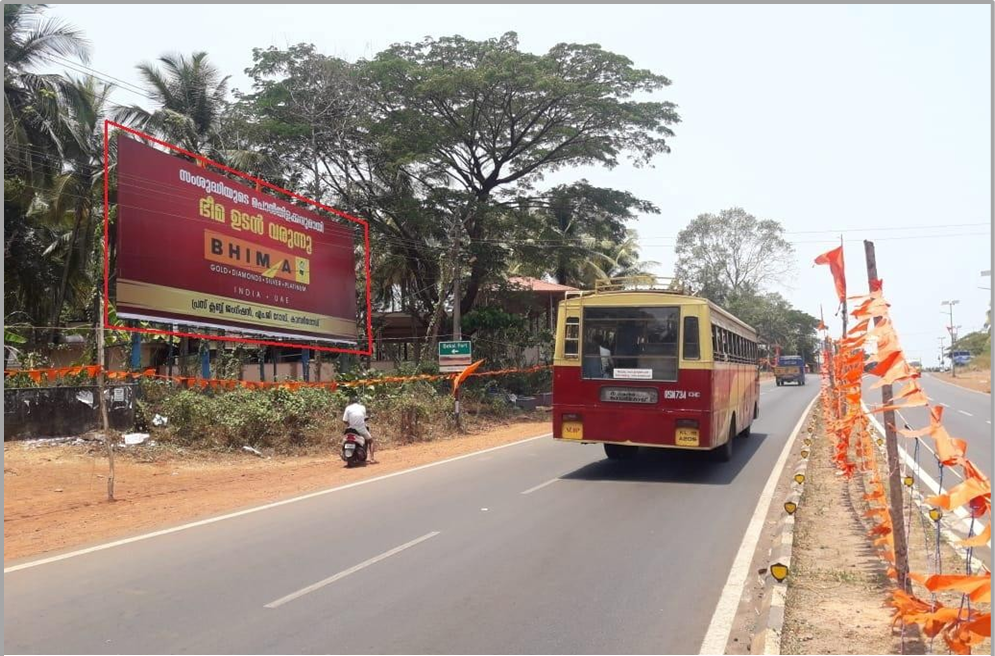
(834,259)
(961,494)
(463,375)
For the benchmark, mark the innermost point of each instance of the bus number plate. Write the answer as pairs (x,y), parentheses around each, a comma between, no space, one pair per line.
(629,395)
(572,430)
(686,437)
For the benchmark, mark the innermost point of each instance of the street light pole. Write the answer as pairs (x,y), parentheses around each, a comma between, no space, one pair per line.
(942,339)
(953,337)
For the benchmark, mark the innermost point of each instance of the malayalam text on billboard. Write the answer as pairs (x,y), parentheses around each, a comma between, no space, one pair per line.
(195,247)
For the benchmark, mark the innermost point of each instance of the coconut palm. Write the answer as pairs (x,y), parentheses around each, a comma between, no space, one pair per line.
(31,99)
(191,98)
(73,199)
(616,260)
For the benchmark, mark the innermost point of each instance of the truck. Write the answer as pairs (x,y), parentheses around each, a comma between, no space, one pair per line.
(789,368)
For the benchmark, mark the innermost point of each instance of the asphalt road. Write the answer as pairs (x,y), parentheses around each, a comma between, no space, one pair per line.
(967,415)
(480,555)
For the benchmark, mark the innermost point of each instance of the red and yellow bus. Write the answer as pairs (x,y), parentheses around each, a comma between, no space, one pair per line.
(645,364)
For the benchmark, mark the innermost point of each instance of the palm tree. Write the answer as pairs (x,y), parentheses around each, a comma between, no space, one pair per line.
(616,260)
(74,197)
(191,96)
(31,99)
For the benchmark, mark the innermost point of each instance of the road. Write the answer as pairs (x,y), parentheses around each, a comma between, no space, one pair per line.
(540,547)
(967,415)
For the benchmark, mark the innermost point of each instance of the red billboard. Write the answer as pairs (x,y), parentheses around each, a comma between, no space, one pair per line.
(198,248)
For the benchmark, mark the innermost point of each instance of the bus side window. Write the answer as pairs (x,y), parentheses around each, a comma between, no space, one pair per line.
(571,337)
(715,342)
(692,348)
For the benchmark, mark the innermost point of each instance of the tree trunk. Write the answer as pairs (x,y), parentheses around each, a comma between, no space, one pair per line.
(60,298)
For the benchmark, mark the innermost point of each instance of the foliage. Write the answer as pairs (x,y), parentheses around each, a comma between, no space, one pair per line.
(778,323)
(974,342)
(732,253)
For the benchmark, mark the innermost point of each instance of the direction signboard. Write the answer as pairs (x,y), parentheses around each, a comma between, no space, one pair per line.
(455,356)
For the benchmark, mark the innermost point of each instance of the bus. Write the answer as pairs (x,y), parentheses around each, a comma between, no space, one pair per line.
(642,363)
(960,357)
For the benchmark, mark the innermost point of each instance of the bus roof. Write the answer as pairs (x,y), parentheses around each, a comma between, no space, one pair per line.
(648,296)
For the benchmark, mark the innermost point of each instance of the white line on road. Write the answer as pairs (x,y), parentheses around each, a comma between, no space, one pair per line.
(725,611)
(965,413)
(249,511)
(966,389)
(928,481)
(352,570)
(540,486)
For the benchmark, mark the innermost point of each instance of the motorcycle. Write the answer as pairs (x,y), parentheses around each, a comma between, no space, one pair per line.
(354,449)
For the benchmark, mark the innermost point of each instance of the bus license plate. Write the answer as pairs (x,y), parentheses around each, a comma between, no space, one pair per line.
(572,430)
(629,395)
(686,437)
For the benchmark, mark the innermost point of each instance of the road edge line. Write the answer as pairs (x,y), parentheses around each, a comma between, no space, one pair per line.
(960,387)
(255,509)
(720,626)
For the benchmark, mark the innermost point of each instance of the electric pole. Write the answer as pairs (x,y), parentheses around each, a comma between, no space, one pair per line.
(940,360)
(953,337)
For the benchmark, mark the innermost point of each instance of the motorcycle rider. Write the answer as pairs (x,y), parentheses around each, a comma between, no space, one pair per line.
(355,417)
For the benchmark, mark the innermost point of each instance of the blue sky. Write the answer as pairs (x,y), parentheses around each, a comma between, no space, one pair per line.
(865,121)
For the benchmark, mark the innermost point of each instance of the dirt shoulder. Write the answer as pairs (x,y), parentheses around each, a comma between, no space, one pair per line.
(55,496)
(977,380)
(838,589)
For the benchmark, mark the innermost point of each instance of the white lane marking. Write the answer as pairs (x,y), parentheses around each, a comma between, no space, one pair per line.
(725,611)
(352,570)
(988,422)
(249,511)
(965,413)
(966,389)
(928,481)
(540,486)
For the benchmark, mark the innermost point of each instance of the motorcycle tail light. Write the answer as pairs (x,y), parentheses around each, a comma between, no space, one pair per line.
(350,438)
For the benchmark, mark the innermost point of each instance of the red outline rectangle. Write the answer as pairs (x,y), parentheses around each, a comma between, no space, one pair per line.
(258,182)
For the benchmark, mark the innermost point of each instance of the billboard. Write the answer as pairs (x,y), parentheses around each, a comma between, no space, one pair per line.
(198,248)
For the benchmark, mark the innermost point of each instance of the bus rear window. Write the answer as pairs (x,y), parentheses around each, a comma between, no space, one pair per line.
(692,350)
(631,343)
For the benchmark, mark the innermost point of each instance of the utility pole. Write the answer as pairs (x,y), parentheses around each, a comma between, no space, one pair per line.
(457,329)
(104,421)
(953,337)
(891,446)
(844,297)
(942,339)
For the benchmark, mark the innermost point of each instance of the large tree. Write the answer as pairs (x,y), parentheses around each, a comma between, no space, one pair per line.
(733,253)
(483,116)
(442,139)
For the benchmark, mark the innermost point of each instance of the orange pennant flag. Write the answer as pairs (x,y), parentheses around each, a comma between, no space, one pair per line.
(463,375)
(961,493)
(834,259)
(978,588)
(978,540)
(950,450)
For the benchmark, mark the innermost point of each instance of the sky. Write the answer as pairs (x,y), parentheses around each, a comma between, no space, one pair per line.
(866,122)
